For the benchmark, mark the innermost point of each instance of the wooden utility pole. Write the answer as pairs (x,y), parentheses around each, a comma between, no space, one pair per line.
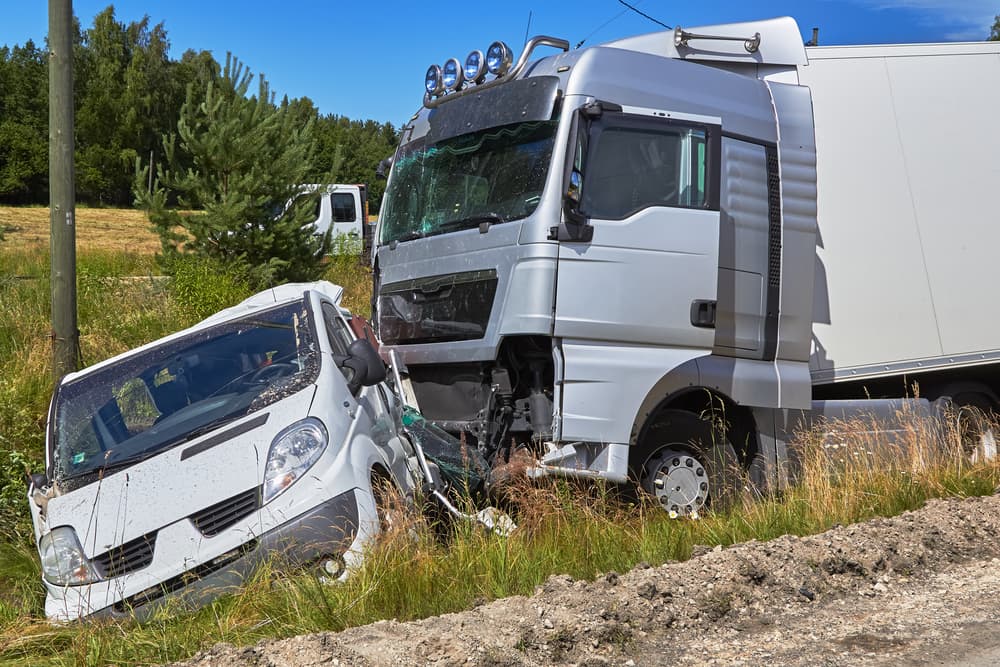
(62,190)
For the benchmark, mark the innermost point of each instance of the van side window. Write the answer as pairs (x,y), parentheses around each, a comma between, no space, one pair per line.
(337,330)
(630,167)
(343,207)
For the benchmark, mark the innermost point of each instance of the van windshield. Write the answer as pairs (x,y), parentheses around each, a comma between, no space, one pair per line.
(171,393)
(491,176)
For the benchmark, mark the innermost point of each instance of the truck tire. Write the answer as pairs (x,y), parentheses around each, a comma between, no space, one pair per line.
(976,426)
(687,464)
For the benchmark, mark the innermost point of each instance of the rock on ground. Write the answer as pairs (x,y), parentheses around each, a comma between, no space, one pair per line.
(921,588)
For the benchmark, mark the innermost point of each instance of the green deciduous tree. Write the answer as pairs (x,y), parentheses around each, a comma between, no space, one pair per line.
(363,144)
(24,95)
(231,167)
(128,97)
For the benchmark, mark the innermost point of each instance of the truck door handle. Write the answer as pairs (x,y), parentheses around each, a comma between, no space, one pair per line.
(703,313)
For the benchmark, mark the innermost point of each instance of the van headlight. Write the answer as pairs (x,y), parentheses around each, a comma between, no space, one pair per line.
(292,453)
(63,560)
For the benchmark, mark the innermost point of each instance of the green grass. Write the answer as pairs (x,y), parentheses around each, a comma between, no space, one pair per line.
(568,528)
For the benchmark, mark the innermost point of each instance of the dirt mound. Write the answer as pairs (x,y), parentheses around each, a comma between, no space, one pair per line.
(913,589)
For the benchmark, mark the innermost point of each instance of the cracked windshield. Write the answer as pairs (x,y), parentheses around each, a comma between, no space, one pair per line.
(177,391)
(491,176)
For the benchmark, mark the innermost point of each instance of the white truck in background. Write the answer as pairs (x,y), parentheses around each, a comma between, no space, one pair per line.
(343,207)
(585,254)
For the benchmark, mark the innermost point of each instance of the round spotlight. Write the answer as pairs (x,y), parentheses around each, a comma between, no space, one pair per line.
(432,81)
(451,74)
(498,58)
(475,66)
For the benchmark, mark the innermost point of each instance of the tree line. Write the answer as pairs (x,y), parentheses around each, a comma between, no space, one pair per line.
(128,94)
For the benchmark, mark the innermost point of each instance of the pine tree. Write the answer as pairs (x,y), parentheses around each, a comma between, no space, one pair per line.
(995,30)
(249,157)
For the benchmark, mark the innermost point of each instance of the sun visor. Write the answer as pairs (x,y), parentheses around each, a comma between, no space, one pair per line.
(518,101)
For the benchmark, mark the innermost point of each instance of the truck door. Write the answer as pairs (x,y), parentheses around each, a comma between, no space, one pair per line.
(345,204)
(649,190)
(638,297)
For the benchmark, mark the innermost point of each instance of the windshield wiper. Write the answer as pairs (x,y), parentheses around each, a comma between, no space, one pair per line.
(130,461)
(470,222)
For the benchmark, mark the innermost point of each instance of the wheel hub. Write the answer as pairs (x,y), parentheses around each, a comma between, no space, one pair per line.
(679,482)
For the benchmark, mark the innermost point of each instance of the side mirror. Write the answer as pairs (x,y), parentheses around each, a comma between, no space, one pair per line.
(576,227)
(366,366)
(382,170)
(37,480)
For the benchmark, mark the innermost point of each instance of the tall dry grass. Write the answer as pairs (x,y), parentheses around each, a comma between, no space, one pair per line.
(421,568)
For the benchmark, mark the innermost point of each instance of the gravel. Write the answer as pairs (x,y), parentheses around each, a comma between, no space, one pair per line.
(917,589)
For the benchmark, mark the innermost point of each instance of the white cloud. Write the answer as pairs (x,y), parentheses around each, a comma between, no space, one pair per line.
(964,20)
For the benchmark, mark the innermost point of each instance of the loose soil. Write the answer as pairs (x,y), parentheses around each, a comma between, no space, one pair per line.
(921,588)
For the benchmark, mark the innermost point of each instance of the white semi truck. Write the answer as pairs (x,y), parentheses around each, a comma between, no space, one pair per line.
(602,255)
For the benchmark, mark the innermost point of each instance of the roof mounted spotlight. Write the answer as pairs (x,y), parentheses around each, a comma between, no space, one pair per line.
(475,67)
(498,59)
(433,81)
(452,74)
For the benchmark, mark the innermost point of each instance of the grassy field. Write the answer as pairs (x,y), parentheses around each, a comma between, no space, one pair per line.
(418,570)
(97,229)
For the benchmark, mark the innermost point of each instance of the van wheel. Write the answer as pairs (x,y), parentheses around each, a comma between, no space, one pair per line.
(388,502)
(687,464)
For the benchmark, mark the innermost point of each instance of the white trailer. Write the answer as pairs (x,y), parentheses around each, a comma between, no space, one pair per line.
(907,169)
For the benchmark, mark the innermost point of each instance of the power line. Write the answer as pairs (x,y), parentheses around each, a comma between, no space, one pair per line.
(595,30)
(617,16)
(656,21)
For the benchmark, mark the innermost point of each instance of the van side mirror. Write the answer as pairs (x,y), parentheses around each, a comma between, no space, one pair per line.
(366,366)
(37,480)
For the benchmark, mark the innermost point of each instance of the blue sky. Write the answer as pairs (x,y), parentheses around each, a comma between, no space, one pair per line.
(367,59)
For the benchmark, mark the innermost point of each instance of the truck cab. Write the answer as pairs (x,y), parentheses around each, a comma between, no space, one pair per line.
(583,256)
(344,208)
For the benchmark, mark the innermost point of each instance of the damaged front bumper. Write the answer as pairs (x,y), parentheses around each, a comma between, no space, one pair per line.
(328,530)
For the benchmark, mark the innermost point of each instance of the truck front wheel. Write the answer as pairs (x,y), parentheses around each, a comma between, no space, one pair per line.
(686,463)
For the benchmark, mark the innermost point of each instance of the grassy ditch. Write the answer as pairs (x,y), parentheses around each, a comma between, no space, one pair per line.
(418,569)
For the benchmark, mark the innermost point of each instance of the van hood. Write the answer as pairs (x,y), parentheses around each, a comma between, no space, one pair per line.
(178,484)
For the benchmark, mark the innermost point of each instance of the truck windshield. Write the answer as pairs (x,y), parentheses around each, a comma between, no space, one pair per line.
(176,391)
(491,176)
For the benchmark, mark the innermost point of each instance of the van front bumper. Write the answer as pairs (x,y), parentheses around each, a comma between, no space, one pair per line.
(327,530)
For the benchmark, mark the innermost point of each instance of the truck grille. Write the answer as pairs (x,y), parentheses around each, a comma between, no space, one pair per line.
(128,557)
(437,309)
(213,520)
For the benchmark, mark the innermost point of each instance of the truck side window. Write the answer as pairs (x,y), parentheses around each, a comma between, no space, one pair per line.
(343,207)
(631,167)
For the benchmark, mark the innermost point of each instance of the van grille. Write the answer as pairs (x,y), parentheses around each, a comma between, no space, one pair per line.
(213,520)
(128,557)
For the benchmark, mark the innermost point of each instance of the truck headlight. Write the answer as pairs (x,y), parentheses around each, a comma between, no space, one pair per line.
(292,453)
(63,560)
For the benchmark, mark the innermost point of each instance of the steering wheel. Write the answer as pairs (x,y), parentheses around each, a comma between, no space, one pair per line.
(272,372)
